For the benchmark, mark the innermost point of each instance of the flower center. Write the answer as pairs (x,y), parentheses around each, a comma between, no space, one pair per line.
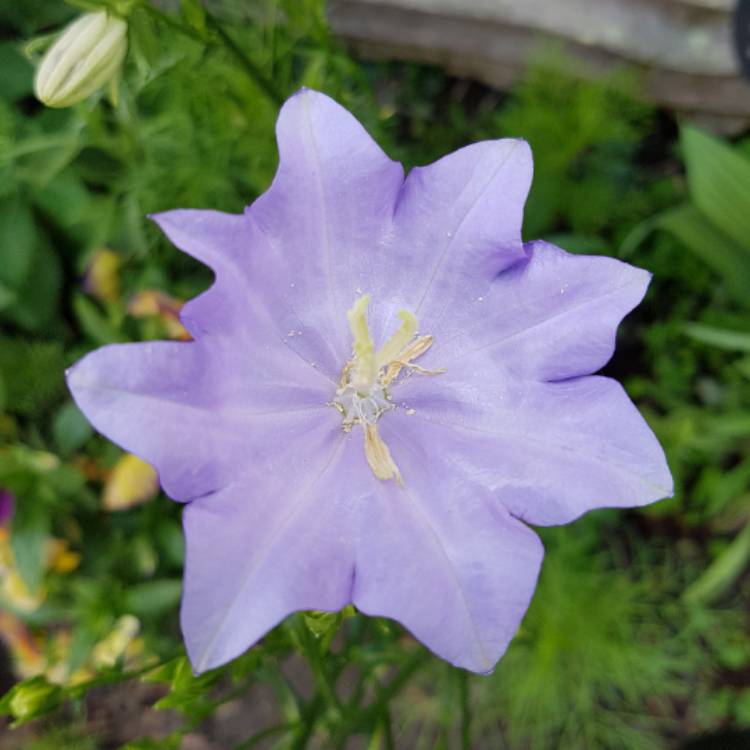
(363,393)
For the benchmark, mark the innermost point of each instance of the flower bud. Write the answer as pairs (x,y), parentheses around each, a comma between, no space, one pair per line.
(87,55)
(32,698)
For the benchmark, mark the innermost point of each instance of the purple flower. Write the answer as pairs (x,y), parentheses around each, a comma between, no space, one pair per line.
(7,506)
(384,385)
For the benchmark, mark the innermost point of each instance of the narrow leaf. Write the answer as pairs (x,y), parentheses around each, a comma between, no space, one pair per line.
(719,183)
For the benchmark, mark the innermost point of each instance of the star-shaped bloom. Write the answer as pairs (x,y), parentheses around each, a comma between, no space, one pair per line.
(385,385)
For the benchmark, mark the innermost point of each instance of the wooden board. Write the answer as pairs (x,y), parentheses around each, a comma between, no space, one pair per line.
(683,47)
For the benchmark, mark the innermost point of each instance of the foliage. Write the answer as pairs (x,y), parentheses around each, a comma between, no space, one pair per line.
(637,636)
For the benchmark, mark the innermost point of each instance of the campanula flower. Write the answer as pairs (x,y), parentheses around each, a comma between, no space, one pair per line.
(7,507)
(384,388)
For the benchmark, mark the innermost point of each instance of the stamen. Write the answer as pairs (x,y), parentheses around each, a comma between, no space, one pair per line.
(420,370)
(396,343)
(416,349)
(379,457)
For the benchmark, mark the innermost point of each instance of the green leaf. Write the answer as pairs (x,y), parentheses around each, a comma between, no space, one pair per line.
(93,322)
(7,297)
(194,14)
(144,43)
(17,241)
(70,429)
(33,372)
(153,597)
(65,199)
(17,76)
(719,183)
(30,16)
(28,538)
(722,573)
(36,304)
(170,742)
(737,341)
(710,245)
(164,672)
(321,623)
(190,694)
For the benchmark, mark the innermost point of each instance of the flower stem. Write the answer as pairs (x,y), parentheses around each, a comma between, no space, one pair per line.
(251,69)
(166,19)
(318,666)
(361,719)
(463,691)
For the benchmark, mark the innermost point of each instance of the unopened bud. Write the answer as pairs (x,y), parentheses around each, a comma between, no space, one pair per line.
(31,698)
(88,54)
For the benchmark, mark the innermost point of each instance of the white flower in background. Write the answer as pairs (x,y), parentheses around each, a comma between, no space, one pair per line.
(86,56)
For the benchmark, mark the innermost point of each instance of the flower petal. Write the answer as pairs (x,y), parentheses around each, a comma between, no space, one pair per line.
(240,305)
(271,545)
(551,317)
(197,412)
(219,240)
(445,560)
(324,220)
(549,451)
(456,570)
(457,225)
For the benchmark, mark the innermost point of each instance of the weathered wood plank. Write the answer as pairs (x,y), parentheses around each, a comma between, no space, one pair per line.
(683,47)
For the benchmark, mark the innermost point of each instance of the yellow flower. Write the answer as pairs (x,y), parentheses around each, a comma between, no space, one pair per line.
(132,482)
(102,275)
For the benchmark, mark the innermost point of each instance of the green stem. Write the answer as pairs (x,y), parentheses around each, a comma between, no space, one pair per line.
(388,739)
(171,22)
(463,690)
(289,701)
(396,684)
(318,666)
(262,735)
(368,716)
(251,69)
(722,573)
(81,688)
(310,715)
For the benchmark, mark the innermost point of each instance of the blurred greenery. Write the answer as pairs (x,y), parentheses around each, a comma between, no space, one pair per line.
(638,634)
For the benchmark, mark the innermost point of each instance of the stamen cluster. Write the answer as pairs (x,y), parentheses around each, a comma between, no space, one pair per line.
(362,396)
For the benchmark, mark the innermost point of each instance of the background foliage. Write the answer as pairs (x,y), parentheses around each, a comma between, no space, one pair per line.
(638,634)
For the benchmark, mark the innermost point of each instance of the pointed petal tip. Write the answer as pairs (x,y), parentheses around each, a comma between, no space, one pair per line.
(75,374)
(518,149)
(160,218)
(523,147)
(303,90)
(165,221)
(305,109)
(667,488)
(304,94)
